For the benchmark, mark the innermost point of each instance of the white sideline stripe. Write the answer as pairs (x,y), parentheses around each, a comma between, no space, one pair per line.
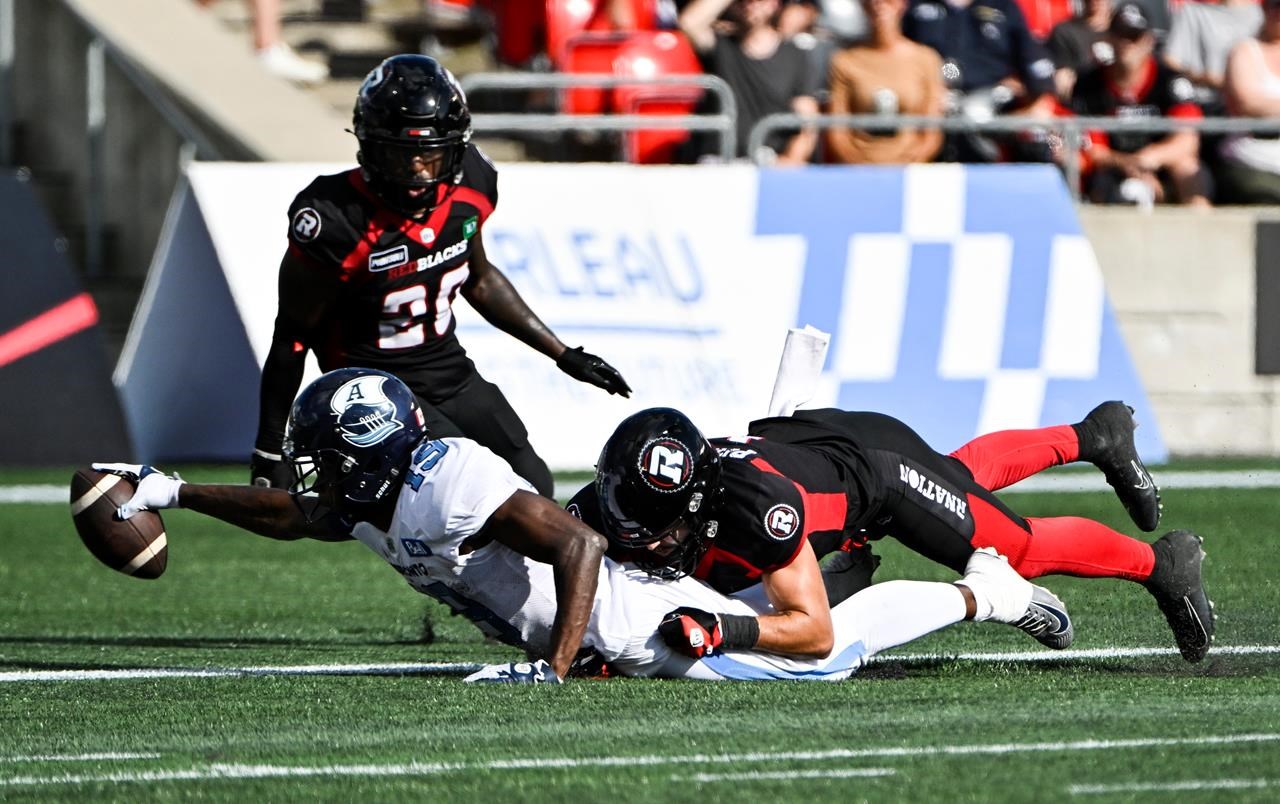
(91,496)
(392,669)
(1081,653)
(457,668)
(1169,787)
(1066,482)
(237,771)
(99,757)
(752,776)
(146,555)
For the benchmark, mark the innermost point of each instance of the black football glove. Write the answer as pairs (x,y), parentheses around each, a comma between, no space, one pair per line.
(586,367)
(693,632)
(268,470)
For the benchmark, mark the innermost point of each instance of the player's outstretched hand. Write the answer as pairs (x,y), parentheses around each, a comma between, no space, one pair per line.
(693,632)
(155,490)
(269,471)
(538,672)
(586,367)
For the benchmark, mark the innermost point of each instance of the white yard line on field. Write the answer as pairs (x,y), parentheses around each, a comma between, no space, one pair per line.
(786,776)
(1171,787)
(238,771)
(99,757)
(125,674)
(458,668)
(1051,482)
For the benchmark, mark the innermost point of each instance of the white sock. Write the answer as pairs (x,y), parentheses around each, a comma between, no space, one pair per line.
(893,613)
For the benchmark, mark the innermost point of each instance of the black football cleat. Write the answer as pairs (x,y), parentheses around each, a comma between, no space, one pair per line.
(1107,442)
(1177,587)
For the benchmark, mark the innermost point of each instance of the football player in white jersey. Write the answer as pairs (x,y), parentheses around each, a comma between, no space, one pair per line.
(459,525)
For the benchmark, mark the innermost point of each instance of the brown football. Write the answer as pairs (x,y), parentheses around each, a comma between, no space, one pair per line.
(136,546)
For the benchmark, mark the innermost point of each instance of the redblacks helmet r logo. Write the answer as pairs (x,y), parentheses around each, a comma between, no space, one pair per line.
(665,464)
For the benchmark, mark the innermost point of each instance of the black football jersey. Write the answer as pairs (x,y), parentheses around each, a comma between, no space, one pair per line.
(776,496)
(1162,93)
(399,275)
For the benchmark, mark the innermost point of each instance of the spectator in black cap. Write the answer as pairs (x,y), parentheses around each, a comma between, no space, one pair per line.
(1140,167)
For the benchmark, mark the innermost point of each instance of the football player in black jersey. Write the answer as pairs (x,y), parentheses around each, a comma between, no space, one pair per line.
(765,507)
(376,256)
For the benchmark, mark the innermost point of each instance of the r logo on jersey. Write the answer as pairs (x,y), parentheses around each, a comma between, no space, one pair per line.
(306,225)
(665,464)
(781,521)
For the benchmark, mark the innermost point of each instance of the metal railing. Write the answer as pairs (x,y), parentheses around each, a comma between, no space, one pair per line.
(724,122)
(1072,129)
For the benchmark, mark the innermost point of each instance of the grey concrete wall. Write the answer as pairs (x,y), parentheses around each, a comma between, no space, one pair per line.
(1182,283)
(176,53)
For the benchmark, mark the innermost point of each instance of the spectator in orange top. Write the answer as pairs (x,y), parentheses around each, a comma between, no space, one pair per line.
(1140,167)
(888,74)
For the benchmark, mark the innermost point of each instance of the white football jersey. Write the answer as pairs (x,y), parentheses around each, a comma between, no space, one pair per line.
(455,486)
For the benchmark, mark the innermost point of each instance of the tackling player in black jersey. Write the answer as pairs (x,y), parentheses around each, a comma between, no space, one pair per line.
(377,255)
(764,508)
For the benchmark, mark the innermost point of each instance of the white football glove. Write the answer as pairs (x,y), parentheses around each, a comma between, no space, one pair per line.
(538,672)
(155,490)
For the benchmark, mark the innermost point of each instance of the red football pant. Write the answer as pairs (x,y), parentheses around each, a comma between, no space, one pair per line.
(1066,545)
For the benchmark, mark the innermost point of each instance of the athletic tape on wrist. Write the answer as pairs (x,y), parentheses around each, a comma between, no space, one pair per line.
(738,631)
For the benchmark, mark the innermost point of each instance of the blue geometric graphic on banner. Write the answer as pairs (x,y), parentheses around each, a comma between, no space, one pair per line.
(1026,204)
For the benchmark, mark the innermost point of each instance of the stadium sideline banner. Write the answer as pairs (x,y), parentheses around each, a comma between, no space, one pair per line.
(961,299)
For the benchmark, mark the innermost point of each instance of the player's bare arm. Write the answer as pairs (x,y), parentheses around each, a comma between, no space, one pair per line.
(264,511)
(801,622)
(493,295)
(538,528)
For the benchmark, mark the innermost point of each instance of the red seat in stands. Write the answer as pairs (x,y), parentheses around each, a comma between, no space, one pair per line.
(648,54)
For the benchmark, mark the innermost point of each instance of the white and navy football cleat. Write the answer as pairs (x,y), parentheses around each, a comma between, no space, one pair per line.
(1047,621)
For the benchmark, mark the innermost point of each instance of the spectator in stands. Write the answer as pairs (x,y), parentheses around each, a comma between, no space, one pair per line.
(1080,44)
(768,74)
(992,64)
(1250,169)
(1140,167)
(889,74)
(275,53)
(1200,38)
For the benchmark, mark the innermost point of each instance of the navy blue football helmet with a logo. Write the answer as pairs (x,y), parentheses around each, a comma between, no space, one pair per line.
(410,106)
(658,482)
(349,439)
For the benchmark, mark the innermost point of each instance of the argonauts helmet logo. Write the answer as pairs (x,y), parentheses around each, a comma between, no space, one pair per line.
(365,415)
(666,465)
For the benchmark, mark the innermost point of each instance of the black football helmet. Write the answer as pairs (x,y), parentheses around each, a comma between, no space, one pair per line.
(659,478)
(349,439)
(408,107)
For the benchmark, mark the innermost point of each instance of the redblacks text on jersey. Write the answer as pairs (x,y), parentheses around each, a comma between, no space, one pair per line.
(399,275)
